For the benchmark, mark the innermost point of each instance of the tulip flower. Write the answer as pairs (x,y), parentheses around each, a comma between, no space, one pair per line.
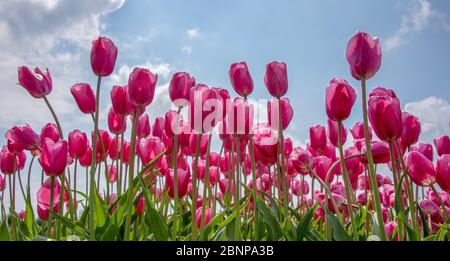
(357,131)
(420,169)
(120,101)
(77,143)
(53,158)
(179,88)
(287,113)
(204,105)
(425,148)
(411,129)
(321,166)
(240,79)
(84,97)
(149,148)
(37,83)
(443,172)
(103,56)
(116,123)
(143,126)
(198,216)
(363,55)
(265,139)
(158,127)
(11,162)
(141,86)
(302,160)
(318,137)
(22,138)
(385,117)
(300,188)
(223,97)
(43,198)
(239,119)
(112,173)
(183,177)
(275,79)
(103,141)
(340,97)
(380,152)
(86,159)
(332,133)
(442,144)
(2,183)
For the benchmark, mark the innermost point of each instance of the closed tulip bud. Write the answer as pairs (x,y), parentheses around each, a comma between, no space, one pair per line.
(358,131)
(158,127)
(120,100)
(425,148)
(385,117)
(265,139)
(332,133)
(37,83)
(442,144)
(443,172)
(276,79)
(300,188)
(78,144)
(171,120)
(420,169)
(240,79)
(318,137)
(380,152)
(50,130)
(116,123)
(202,100)
(207,218)
(340,97)
(149,148)
(10,162)
(287,113)
(183,177)
(112,173)
(363,55)
(114,148)
(43,196)
(103,141)
(22,138)
(193,140)
(141,86)
(143,127)
(411,129)
(86,159)
(302,160)
(180,87)
(103,56)
(321,166)
(53,158)
(224,97)
(84,97)
(288,146)
(239,119)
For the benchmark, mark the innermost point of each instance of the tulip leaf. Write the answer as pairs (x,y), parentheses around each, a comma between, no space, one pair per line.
(77,229)
(339,232)
(4,232)
(425,229)
(211,225)
(29,218)
(272,224)
(303,226)
(100,215)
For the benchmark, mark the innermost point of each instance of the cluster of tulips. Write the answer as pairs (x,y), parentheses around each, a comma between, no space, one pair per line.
(165,183)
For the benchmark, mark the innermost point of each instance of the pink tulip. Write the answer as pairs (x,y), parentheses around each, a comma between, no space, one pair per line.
(77,143)
(276,79)
(143,127)
(443,172)
(200,98)
(390,228)
(2,183)
(115,123)
(425,148)
(363,55)
(265,139)
(43,198)
(11,162)
(103,141)
(158,127)
(301,159)
(358,131)
(239,119)
(183,177)
(287,113)
(442,144)
(171,120)
(364,181)
(223,97)
(318,137)
(50,130)
(112,173)
(240,79)
(380,152)
(321,166)
(140,206)
(141,86)
(420,169)
(332,133)
(22,138)
(179,88)
(340,97)
(385,117)
(86,159)
(193,140)
(103,56)
(120,101)
(84,97)
(114,148)
(198,216)
(149,148)
(53,158)
(411,129)
(298,189)
(37,83)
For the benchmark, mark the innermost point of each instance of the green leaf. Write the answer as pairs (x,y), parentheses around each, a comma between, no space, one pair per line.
(425,229)
(339,232)
(4,232)
(110,233)
(211,225)
(100,215)
(269,218)
(29,221)
(303,226)
(77,229)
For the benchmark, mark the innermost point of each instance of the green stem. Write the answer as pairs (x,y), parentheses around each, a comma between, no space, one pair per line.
(205,189)
(237,235)
(194,188)
(54,117)
(441,202)
(255,195)
(282,165)
(175,179)
(50,207)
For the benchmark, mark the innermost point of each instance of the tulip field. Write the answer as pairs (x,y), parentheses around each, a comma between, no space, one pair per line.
(165,181)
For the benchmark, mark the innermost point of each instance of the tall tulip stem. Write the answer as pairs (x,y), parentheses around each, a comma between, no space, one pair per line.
(175,178)
(282,165)
(52,111)
(194,187)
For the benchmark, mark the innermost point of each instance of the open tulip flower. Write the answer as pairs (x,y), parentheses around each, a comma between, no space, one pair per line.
(209,168)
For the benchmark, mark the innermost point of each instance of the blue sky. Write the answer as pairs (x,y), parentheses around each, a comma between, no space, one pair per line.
(204,37)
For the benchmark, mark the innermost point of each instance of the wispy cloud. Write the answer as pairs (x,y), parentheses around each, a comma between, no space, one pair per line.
(193,33)
(418,15)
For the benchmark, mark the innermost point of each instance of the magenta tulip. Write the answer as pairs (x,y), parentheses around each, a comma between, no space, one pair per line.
(143,127)
(442,144)
(265,139)
(358,131)
(425,148)
(86,159)
(84,97)
(158,127)
(53,158)
(120,100)
(183,177)
(340,97)
(443,172)
(318,137)
(276,79)
(50,130)
(287,113)
(385,117)
(203,105)
(332,133)
(240,79)
(141,86)
(411,129)
(37,83)
(302,160)
(207,218)
(179,88)
(22,138)
(321,166)
(420,169)
(363,55)
(77,143)
(43,198)
(115,123)
(239,119)
(149,148)
(380,152)
(103,56)
(11,162)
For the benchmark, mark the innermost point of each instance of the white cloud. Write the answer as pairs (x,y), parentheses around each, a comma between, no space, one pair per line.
(193,33)
(434,115)
(418,15)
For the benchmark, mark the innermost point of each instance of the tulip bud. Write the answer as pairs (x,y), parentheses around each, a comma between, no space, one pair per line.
(11,162)
(143,126)
(43,198)
(158,127)
(22,138)
(103,56)
(84,97)
(116,123)
(317,137)
(287,113)
(240,79)
(340,97)
(358,131)
(202,100)
(141,86)
(180,87)
(443,172)
(302,160)
(420,169)
(53,158)
(50,130)
(385,117)
(86,159)
(363,55)
(442,144)
(265,139)
(425,148)
(183,177)
(37,83)
(411,129)
(120,100)
(332,132)
(276,79)
(77,143)
(321,166)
